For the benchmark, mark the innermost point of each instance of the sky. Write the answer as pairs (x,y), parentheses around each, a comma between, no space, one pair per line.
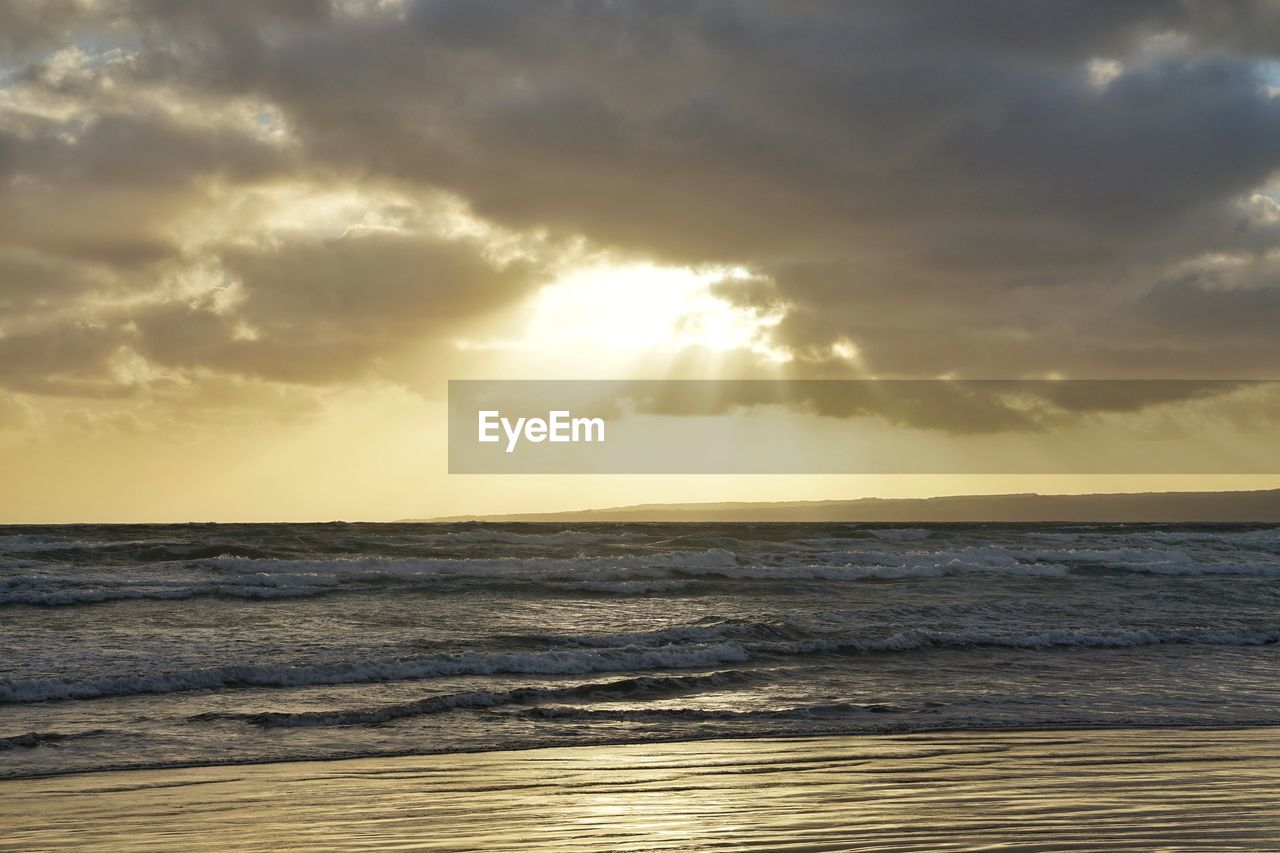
(244,246)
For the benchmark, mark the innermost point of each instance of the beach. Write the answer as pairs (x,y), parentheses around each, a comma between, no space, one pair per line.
(473,425)
(1122,789)
(640,687)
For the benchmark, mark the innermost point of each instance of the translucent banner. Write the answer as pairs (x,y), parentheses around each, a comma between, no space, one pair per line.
(1115,426)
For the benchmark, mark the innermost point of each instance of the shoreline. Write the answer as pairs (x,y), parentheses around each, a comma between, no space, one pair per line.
(620,742)
(1047,788)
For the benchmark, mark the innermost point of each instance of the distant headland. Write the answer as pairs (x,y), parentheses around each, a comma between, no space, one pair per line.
(1241,506)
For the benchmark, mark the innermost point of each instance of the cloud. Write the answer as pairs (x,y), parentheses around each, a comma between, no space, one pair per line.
(320,311)
(950,189)
(16,414)
(955,407)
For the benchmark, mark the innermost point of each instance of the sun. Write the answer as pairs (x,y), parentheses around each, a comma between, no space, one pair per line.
(612,312)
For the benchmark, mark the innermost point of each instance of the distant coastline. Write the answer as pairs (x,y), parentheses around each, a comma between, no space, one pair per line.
(1236,506)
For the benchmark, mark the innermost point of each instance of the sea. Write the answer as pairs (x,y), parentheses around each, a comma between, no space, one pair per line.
(127,646)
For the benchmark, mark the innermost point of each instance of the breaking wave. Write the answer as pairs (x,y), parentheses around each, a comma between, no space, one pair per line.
(626,688)
(551,662)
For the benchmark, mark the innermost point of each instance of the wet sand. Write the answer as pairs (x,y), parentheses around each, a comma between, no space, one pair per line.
(1089,790)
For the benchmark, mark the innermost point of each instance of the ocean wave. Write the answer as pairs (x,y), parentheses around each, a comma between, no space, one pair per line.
(1142,538)
(1263,569)
(790,638)
(174,551)
(743,631)
(1266,536)
(22,542)
(1099,638)
(1155,561)
(270,578)
(266,578)
(644,587)
(673,565)
(538,567)
(54,591)
(1050,562)
(866,536)
(658,637)
(905,571)
(209,569)
(1104,556)
(33,739)
(19,564)
(904,534)
(66,550)
(66,597)
(69,597)
(626,688)
(482,535)
(827,710)
(550,662)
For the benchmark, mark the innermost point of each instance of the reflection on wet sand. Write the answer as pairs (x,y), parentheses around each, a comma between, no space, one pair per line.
(1093,789)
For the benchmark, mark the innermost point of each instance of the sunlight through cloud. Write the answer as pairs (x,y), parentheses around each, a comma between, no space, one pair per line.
(643,308)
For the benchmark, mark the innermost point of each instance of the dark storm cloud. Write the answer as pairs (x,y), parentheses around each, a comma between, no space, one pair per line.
(27,26)
(30,282)
(110,192)
(62,358)
(988,188)
(1201,309)
(958,407)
